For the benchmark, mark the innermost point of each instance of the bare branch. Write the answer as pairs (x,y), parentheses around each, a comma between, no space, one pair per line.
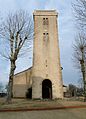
(17,33)
(80,12)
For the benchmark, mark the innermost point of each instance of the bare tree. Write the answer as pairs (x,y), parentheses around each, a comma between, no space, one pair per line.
(79,58)
(79,7)
(72,90)
(16,32)
(1,87)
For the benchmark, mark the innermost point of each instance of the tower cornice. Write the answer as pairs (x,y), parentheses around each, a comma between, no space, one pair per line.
(45,13)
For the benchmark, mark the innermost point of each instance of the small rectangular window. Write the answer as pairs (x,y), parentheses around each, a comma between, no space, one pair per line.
(46,61)
(45,21)
(45,36)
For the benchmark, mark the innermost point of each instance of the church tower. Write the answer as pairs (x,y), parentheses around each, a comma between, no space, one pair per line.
(46,72)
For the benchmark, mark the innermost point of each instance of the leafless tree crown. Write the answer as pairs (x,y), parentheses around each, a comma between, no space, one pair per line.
(80,12)
(16,31)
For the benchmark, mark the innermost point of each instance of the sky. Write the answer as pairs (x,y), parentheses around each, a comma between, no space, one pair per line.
(66,29)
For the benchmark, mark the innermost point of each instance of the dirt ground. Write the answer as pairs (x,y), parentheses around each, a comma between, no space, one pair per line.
(25,103)
(79,113)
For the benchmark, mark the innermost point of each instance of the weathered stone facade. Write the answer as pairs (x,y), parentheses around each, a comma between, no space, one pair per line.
(21,83)
(45,76)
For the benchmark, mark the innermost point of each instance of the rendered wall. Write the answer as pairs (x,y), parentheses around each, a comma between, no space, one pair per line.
(21,82)
(46,51)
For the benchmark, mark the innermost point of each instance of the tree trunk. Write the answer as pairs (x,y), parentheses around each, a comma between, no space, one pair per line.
(10,83)
(85,85)
(84,81)
(83,75)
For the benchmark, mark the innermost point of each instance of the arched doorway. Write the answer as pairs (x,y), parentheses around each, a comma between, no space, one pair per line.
(47,89)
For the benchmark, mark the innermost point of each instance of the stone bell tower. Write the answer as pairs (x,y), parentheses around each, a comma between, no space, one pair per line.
(46,79)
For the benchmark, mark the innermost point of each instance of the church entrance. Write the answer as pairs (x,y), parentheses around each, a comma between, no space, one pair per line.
(47,89)
(29,93)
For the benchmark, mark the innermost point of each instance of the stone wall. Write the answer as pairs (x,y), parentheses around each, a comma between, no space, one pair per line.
(21,82)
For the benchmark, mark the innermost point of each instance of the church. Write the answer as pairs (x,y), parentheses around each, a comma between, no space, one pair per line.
(44,79)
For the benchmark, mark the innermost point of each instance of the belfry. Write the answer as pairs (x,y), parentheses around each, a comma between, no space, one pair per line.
(44,79)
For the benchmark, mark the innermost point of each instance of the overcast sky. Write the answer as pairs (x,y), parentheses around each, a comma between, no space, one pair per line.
(66,35)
